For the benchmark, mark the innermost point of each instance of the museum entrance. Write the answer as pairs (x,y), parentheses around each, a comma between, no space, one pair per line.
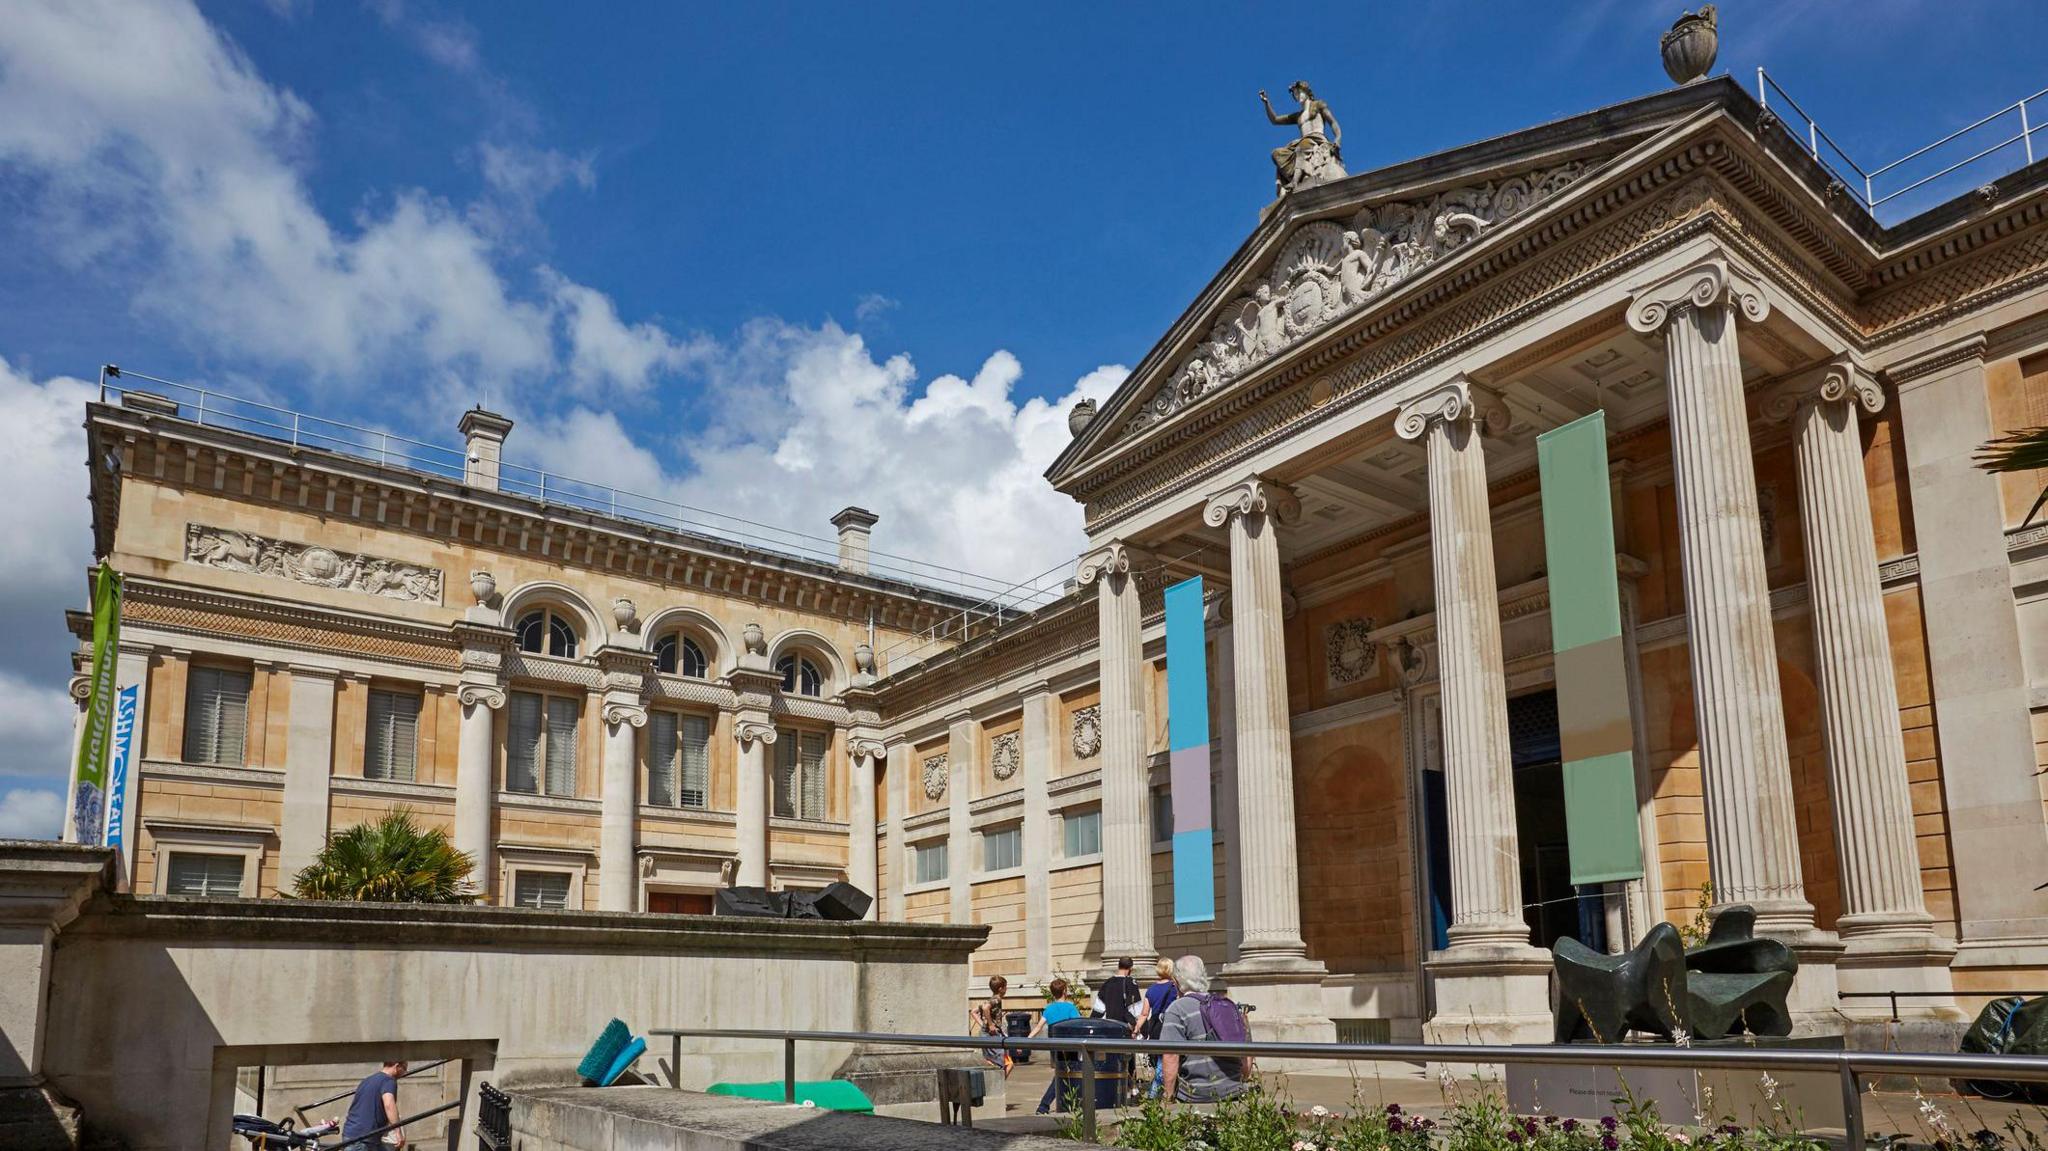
(1552,906)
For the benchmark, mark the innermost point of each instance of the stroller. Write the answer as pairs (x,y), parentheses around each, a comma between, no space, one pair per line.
(263,1133)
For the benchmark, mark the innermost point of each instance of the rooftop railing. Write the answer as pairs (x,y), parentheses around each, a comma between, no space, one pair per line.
(2014,118)
(982,599)
(1848,1067)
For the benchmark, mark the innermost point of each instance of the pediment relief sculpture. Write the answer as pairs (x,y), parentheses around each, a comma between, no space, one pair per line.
(311,564)
(1328,269)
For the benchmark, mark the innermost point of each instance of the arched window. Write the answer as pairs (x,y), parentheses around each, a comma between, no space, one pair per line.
(543,631)
(799,675)
(678,654)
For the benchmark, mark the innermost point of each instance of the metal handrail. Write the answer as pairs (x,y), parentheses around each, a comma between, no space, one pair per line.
(994,595)
(302,1108)
(1848,1066)
(1815,135)
(1895,996)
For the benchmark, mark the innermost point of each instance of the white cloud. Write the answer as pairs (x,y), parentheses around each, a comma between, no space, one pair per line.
(604,350)
(531,173)
(30,814)
(873,306)
(806,421)
(45,468)
(36,718)
(149,138)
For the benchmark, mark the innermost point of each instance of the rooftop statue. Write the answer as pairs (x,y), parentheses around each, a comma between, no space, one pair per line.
(1314,158)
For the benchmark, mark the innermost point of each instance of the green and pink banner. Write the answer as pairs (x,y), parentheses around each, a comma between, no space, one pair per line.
(1593,716)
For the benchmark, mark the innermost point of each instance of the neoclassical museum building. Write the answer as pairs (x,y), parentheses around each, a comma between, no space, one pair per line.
(1834,625)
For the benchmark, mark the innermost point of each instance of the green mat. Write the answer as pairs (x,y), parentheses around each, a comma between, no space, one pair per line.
(827,1094)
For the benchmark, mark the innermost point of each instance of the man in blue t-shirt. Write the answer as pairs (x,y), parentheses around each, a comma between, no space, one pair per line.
(375,1105)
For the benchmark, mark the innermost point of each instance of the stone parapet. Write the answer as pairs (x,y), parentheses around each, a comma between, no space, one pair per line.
(630,1118)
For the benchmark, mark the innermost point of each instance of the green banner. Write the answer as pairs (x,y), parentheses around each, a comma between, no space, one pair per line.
(89,774)
(1593,718)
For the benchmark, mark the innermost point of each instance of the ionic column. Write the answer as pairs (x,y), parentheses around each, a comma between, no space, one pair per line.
(899,806)
(751,797)
(1479,779)
(1217,618)
(861,865)
(1126,852)
(1270,875)
(618,814)
(1752,825)
(1884,919)
(476,778)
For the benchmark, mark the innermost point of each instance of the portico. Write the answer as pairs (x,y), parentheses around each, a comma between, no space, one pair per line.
(1354,479)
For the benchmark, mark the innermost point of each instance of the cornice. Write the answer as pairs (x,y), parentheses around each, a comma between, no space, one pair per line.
(1963,351)
(191,610)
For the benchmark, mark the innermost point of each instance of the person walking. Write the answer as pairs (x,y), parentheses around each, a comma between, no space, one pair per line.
(1118,997)
(987,1018)
(1152,1012)
(1057,1010)
(1198,1016)
(375,1105)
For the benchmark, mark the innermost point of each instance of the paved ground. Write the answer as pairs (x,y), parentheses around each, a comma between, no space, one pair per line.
(1885,1112)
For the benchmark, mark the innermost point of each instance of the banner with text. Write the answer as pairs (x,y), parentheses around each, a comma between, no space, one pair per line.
(1187,731)
(123,752)
(1594,724)
(89,774)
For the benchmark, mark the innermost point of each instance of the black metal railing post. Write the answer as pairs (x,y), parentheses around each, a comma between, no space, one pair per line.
(1088,1096)
(789,1069)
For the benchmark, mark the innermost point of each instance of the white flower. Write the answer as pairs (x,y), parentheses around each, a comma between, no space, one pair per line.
(1319,1112)
(1681,1137)
(1304,1145)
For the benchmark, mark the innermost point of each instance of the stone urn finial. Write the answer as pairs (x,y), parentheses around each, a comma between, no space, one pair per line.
(1080,416)
(864,659)
(483,585)
(755,639)
(624,613)
(1691,45)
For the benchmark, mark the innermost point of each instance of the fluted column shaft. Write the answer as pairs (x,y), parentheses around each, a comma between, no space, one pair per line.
(750,796)
(475,779)
(1479,781)
(1752,825)
(1874,839)
(1269,872)
(1126,850)
(861,866)
(616,877)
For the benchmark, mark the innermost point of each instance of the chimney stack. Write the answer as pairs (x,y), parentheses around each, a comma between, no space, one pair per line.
(853,525)
(483,442)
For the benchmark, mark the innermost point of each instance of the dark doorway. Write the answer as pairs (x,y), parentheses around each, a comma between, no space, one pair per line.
(679,902)
(1553,907)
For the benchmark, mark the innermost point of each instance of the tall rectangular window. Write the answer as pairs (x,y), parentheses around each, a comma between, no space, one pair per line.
(547,890)
(1002,848)
(1162,815)
(391,745)
(1081,833)
(201,873)
(216,716)
(928,861)
(678,760)
(540,743)
(800,774)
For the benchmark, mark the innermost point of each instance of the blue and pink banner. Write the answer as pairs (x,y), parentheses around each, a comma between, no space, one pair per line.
(1187,731)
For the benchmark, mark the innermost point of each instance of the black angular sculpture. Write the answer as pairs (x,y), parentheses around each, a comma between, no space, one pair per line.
(838,901)
(752,902)
(1602,997)
(1736,982)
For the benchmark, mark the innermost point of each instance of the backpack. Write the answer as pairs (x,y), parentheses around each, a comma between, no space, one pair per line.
(1225,1024)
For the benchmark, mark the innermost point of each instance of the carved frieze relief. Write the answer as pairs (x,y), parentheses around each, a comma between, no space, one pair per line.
(1350,655)
(311,564)
(1326,270)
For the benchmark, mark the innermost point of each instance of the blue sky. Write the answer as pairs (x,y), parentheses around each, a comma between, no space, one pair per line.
(777,257)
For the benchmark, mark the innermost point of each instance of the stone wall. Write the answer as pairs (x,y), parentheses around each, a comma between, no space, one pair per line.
(179,994)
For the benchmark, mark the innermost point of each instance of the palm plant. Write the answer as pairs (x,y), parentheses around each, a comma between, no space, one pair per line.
(2018,452)
(393,860)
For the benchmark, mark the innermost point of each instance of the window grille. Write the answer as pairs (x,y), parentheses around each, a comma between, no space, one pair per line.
(216,716)
(391,745)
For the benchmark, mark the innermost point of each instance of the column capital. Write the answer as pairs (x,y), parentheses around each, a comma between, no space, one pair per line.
(1710,282)
(862,747)
(1252,495)
(1036,687)
(1113,558)
(753,731)
(617,713)
(1839,379)
(1450,402)
(489,694)
(80,688)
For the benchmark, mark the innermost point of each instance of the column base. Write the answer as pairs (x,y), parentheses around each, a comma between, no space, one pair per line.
(1815,1002)
(1490,993)
(1903,959)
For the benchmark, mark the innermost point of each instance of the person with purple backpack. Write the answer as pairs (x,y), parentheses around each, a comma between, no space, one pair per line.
(1199,1015)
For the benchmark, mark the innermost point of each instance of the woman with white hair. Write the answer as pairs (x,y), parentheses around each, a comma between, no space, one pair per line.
(1198,1016)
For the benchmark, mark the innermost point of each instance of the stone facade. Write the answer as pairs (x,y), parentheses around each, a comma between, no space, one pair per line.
(1833,623)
